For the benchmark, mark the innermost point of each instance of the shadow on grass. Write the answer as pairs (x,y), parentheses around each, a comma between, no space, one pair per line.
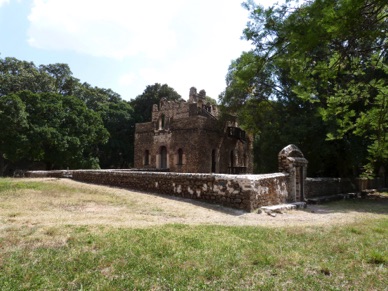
(376,203)
(199,203)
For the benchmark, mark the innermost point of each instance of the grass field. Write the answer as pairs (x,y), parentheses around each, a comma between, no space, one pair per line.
(62,255)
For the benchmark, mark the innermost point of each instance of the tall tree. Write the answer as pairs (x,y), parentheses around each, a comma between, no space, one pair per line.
(119,121)
(152,94)
(118,118)
(62,81)
(326,57)
(57,79)
(62,132)
(13,121)
(16,75)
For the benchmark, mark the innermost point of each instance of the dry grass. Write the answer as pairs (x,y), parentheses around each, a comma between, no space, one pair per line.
(60,234)
(42,209)
(66,202)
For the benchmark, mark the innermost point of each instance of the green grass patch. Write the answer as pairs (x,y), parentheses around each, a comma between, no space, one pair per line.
(202,257)
(11,185)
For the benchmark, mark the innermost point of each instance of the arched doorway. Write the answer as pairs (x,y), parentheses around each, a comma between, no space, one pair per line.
(163,157)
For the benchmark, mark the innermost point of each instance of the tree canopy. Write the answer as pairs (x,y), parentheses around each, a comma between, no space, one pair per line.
(152,94)
(321,68)
(49,116)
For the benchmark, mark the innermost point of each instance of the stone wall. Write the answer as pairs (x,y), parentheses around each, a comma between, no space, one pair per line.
(331,186)
(246,192)
(315,187)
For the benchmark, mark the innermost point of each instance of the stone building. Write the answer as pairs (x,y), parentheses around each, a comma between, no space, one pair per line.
(190,137)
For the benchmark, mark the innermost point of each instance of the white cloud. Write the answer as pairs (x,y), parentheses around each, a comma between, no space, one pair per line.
(208,38)
(181,43)
(3,2)
(115,28)
(127,79)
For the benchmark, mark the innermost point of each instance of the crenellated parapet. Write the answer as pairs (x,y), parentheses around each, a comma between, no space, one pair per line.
(166,111)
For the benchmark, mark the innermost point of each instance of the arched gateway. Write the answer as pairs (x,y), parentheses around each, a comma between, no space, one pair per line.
(292,161)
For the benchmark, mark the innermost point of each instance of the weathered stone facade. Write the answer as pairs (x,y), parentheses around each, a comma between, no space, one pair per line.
(189,137)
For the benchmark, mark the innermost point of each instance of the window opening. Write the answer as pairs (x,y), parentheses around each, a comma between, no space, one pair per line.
(213,161)
(162,122)
(146,157)
(163,157)
(180,157)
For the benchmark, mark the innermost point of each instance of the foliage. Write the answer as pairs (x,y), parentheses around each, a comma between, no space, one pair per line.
(152,94)
(62,132)
(323,61)
(38,133)
(118,117)
(210,100)
(13,120)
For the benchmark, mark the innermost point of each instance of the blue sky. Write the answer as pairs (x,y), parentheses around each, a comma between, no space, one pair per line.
(126,45)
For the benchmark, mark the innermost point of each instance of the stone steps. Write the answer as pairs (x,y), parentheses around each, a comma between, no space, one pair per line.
(280,208)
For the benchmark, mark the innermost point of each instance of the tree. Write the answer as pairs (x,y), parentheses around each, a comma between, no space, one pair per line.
(118,118)
(61,78)
(343,67)
(152,94)
(13,121)
(62,132)
(323,59)
(16,75)
(57,79)
(119,121)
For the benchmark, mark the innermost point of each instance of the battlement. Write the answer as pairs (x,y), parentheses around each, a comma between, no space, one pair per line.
(196,105)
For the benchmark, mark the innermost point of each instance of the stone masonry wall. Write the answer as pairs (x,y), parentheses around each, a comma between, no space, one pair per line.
(315,187)
(246,192)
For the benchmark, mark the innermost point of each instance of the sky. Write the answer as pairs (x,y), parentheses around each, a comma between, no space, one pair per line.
(125,45)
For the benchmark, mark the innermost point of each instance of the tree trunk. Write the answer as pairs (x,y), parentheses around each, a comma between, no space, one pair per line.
(2,165)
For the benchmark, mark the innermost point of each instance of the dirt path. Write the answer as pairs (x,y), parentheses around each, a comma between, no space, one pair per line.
(99,205)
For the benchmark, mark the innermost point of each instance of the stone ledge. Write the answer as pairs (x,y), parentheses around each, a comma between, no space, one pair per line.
(284,207)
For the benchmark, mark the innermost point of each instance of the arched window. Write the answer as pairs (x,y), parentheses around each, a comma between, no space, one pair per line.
(162,121)
(180,157)
(146,157)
